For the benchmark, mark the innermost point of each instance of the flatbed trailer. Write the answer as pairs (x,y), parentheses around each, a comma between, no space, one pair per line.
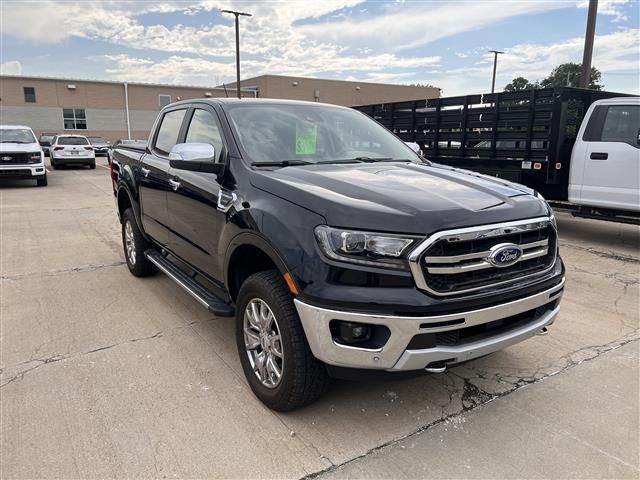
(524,136)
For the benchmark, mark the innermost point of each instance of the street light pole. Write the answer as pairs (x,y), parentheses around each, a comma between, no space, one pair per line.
(588,44)
(495,64)
(237,15)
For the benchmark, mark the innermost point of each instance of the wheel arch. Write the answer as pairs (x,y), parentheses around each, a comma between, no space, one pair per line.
(249,253)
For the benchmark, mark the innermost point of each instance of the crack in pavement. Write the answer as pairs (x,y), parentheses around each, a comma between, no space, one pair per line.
(39,362)
(62,271)
(474,397)
(600,253)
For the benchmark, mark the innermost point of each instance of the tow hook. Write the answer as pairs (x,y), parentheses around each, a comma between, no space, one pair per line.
(543,331)
(436,367)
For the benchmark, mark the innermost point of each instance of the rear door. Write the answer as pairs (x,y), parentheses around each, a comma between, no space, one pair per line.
(194,215)
(153,175)
(611,177)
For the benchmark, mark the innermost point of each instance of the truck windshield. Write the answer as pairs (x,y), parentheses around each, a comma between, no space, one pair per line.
(96,140)
(16,135)
(301,134)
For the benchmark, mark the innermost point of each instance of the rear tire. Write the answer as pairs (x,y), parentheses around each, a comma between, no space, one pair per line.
(276,344)
(54,165)
(135,245)
(42,181)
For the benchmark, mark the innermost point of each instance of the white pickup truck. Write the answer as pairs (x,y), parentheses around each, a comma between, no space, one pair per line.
(605,161)
(21,155)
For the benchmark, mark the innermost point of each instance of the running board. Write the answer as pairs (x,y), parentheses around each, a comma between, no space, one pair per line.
(213,303)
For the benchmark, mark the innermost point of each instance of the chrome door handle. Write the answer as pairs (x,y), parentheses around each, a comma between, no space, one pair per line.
(174,184)
(145,172)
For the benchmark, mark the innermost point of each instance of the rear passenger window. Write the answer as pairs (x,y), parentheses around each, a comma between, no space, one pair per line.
(169,130)
(203,128)
(622,124)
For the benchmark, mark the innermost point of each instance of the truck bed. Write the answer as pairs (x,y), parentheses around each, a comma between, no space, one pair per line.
(524,136)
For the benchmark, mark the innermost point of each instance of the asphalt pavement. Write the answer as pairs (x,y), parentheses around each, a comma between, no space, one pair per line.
(106,375)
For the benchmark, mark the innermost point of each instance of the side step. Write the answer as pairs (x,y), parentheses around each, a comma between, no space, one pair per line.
(214,304)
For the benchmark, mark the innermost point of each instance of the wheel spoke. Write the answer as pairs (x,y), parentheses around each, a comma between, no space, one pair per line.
(273,369)
(251,316)
(276,345)
(251,339)
(267,318)
(261,365)
(255,316)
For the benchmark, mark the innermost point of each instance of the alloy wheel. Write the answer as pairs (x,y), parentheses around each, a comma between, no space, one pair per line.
(263,343)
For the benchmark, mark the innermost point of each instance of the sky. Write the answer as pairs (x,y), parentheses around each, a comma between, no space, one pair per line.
(444,44)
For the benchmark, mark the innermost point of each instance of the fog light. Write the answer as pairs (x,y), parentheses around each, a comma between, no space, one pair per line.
(350,332)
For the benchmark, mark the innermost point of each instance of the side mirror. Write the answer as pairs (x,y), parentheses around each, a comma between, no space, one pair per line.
(195,157)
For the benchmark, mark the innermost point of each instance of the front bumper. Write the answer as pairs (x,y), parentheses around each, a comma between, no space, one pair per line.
(394,355)
(23,171)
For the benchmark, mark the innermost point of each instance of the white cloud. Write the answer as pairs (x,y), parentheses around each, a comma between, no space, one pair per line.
(12,67)
(613,8)
(616,55)
(416,24)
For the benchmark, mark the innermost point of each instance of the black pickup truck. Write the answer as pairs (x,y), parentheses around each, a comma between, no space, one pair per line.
(339,250)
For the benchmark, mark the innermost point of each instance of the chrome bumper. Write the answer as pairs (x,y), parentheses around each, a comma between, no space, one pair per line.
(394,356)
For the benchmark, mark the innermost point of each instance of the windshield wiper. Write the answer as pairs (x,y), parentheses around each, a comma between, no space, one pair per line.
(281,163)
(380,159)
(12,141)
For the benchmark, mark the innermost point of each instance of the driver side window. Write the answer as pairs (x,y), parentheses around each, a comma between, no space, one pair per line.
(204,128)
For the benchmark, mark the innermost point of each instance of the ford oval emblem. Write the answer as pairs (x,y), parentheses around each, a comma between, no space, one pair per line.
(504,255)
(6,159)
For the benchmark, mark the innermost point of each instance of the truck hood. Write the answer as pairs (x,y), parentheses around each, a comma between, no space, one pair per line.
(400,197)
(20,147)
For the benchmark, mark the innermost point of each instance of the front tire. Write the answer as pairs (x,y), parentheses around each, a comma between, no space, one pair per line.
(135,245)
(42,181)
(274,353)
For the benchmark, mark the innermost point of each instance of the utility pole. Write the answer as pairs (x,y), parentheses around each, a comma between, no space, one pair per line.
(588,44)
(237,15)
(495,65)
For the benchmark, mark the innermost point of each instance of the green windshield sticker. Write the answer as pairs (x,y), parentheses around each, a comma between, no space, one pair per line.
(306,140)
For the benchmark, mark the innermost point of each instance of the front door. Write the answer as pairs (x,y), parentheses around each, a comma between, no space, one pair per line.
(612,161)
(153,176)
(195,219)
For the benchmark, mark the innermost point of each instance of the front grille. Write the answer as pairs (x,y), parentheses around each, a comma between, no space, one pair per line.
(457,262)
(19,158)
(14,172)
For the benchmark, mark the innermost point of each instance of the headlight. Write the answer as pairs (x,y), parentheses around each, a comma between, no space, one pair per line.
(552,214)
(365,248)
(35,157)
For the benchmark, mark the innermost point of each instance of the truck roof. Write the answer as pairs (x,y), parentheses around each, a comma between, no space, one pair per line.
(618,101)
(257,101)
(7,127)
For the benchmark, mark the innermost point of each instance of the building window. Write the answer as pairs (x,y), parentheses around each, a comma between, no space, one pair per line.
(164,100)
(74,119)
(29,95)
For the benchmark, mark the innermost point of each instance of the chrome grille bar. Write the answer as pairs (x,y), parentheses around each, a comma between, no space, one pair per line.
(485,254)
(471,267)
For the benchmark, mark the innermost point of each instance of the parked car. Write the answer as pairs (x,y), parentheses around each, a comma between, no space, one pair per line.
(45,142)
(338,249)
(99,144)
(21,155)
(531,137)
(72,150)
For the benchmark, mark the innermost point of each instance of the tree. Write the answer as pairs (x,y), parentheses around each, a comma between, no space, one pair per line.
(519,83)
(568,75)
